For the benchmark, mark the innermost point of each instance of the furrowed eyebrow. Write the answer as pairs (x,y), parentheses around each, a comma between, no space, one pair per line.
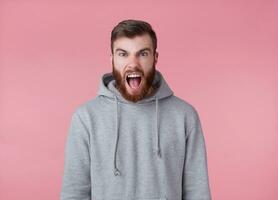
(119,49)
(145,49)
(141,50)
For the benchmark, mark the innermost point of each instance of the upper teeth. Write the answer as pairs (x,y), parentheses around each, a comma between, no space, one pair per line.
(133,75)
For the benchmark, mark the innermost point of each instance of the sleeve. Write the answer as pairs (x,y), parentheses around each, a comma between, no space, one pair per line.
(76,183)
(195,184)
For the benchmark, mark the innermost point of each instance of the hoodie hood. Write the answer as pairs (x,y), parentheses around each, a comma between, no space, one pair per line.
(108,89)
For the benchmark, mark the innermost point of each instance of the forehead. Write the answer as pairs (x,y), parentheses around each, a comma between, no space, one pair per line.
(133,44)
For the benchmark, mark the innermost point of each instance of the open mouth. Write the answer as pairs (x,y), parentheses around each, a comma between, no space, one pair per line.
(133,80)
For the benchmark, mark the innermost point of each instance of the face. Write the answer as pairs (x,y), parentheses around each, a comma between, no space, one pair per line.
(133,62)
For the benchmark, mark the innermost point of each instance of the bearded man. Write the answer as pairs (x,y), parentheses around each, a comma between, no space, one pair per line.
(135,139)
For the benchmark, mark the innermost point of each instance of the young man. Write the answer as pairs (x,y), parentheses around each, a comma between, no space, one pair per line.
(136,139)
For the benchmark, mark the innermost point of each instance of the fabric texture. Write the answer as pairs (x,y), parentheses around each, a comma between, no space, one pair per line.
(149,150)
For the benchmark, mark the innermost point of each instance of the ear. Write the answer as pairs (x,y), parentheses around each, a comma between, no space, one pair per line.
(155,57)
(111,58)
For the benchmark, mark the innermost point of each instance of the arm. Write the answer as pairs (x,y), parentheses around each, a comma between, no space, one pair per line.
(195,174)
(76,184)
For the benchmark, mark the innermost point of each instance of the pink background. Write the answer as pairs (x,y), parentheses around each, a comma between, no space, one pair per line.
(220,56)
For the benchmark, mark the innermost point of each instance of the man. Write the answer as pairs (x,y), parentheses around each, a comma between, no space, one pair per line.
(136,139)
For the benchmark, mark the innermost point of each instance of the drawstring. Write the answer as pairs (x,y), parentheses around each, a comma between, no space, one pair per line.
(157,131)
(158,152)
(116,171)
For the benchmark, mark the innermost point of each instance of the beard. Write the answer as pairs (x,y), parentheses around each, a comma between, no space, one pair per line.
(147,88)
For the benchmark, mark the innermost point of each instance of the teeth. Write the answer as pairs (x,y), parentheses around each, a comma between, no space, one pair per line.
(133,75)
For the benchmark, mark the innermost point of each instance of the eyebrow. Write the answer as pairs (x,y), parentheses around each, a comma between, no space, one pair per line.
(119,49)
(144,49)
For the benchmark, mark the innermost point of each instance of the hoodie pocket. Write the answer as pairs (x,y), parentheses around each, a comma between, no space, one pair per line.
(151,198)
(158,198)
(163,198)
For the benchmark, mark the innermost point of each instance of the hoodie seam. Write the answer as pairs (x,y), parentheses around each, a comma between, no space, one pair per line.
(84,126)
(129,103)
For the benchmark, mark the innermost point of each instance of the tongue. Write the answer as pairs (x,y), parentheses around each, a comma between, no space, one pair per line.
(134,82)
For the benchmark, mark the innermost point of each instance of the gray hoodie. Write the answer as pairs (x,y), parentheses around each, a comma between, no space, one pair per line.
(153,149)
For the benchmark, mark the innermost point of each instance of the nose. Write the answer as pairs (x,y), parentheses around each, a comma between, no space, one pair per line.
(133,61)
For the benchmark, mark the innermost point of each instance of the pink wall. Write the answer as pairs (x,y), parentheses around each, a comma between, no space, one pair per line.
(221,56)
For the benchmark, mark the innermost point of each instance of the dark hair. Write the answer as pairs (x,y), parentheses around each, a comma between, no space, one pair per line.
(131,28)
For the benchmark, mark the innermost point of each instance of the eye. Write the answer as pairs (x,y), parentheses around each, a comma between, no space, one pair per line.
(122,54)
(144,53)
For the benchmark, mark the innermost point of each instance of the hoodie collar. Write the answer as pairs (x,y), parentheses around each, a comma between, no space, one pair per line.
(108,89)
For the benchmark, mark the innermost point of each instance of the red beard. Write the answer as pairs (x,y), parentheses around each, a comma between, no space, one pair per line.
(147,87)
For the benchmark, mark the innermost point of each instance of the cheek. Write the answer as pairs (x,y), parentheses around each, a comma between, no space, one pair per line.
(147,64)
(119,63)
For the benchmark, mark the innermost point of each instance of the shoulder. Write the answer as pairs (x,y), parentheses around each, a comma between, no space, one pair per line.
(183,105)
(86,110)
(187,110)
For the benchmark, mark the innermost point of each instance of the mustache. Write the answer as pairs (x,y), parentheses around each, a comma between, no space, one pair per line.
(135,70)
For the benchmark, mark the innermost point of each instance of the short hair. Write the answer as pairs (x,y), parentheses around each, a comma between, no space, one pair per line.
(131,28)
